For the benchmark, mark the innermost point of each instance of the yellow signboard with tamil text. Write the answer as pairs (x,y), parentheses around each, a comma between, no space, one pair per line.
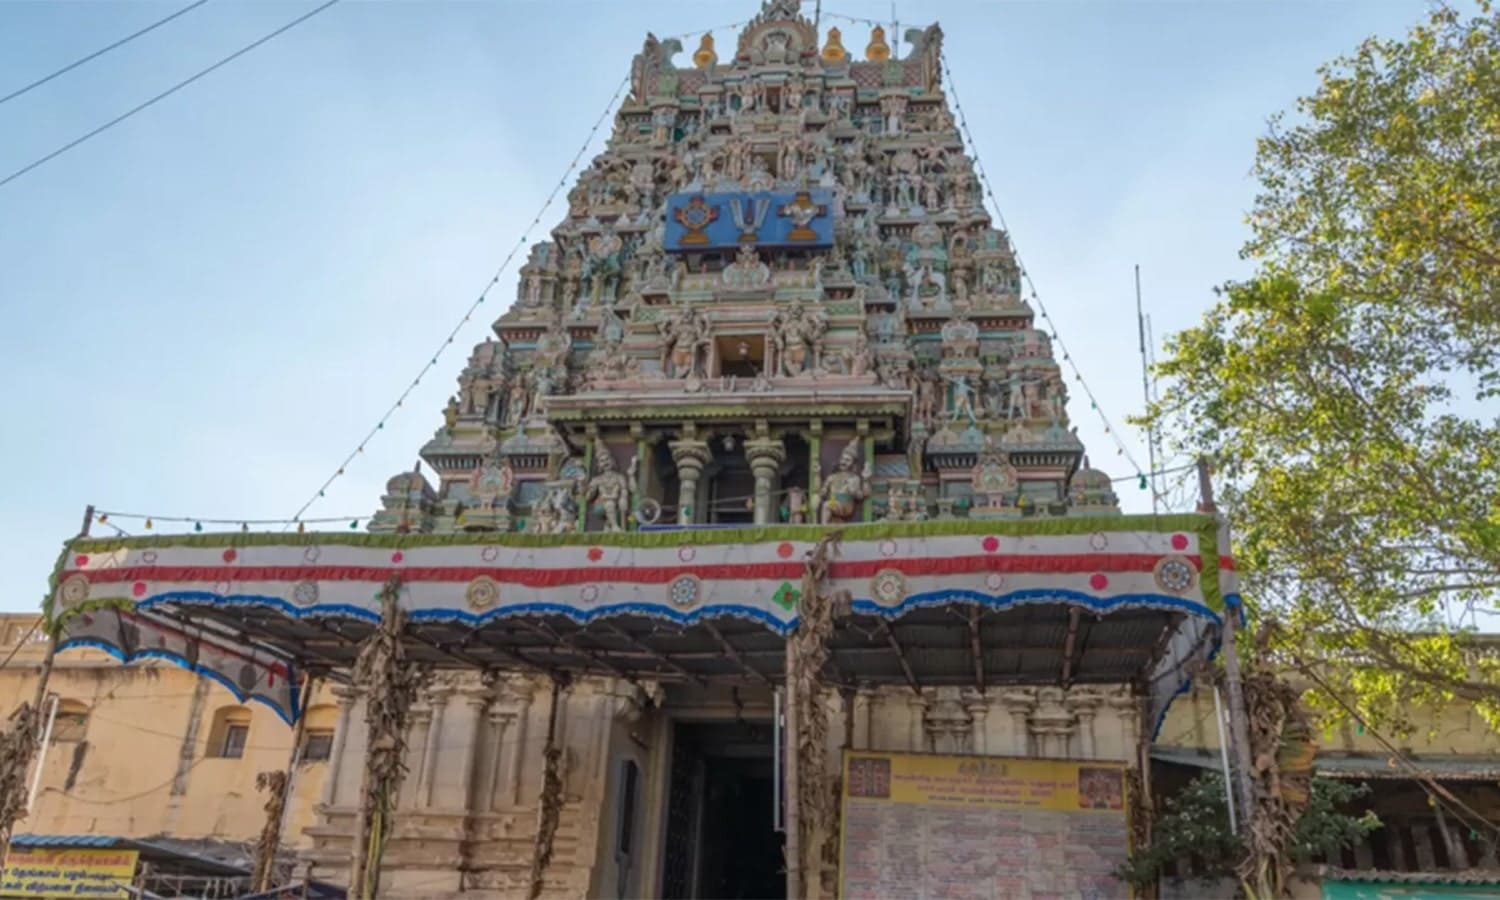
(981,827)
(67,872)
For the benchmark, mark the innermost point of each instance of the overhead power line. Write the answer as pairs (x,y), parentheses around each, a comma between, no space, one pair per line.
(166,93)
(100,52)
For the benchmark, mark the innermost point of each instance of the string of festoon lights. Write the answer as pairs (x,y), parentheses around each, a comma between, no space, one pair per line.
(431,361)
(1142,478)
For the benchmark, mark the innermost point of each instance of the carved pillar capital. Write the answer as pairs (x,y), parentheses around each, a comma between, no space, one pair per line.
(690,455)
(765,456)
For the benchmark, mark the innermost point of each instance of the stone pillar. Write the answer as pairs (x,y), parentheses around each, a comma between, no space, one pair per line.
(978,709)
(1085,705)
(1019,704)
(691,456)
(917,737)
(501,723)
(413,788)
(765,456)
(454,786)
(438,697)
(345,697)
(863,701)
(522,694)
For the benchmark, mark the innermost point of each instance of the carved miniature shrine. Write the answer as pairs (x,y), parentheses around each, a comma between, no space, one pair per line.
(769,434)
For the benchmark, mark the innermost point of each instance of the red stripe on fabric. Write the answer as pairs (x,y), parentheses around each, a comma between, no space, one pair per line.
(543,578)
(999,562)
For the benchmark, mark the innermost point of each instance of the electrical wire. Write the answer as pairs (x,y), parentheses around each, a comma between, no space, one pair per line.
(100,52)
(468,313)
(165,94)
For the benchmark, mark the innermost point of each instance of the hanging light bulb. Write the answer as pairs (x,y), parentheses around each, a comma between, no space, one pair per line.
(1143,481)
(197,526)
(103,517)
(354,525)
(301,527)
(148,524)
(244,526)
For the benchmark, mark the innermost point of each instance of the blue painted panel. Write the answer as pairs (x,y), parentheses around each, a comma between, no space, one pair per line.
(709,221)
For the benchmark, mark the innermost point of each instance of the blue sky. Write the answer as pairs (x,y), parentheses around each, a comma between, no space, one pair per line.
(206,307)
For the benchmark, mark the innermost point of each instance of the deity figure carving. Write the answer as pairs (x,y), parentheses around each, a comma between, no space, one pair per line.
(609,490)
(685,343)
(926,396)
(748,271)
(491,485)
(859,358)
(554,344)
(515,403)
(450,415)
(556,512)
(963,399)
(798,339)
(601,269)
(843,491)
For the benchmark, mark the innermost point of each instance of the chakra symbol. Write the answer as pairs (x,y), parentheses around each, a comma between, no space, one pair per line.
(786,596)
(588,593)
(695,216)
(148,557)
(686,554)
(311,554)
(482,593)
(73,591)
(888,547)
(684,590)
(305,592)
(1098,540)
(888,587)
(1175,574)
(994,581)
(489,554)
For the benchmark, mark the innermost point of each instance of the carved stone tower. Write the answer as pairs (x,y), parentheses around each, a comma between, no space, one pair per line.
(776,297)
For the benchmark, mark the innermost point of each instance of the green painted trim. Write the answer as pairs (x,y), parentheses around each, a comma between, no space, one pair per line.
(814,474)
(1204,526)
(1208,549)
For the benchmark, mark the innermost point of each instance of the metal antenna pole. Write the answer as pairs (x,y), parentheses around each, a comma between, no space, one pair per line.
(1140,325)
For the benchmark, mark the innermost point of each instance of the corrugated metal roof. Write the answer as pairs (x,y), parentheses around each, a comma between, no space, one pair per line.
(1355,765)
(1456,876)
(64,840)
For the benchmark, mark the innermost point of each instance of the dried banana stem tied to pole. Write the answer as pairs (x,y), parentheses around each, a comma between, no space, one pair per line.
(549,814)
(390,682)
(817,823)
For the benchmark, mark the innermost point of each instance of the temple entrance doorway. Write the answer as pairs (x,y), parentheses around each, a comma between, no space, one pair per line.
(720,838)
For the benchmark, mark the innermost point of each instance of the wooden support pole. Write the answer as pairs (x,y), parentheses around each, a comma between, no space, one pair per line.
(890,638)
(976,649)
(276,807)
(792,810)
(734,654)
(1239,722)
(1070,643)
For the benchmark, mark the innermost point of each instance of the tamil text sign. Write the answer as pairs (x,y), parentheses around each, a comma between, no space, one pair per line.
(67,872)
(972,827)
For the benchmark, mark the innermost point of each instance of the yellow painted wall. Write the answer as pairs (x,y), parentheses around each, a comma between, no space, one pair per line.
(1457,730)
(135,773)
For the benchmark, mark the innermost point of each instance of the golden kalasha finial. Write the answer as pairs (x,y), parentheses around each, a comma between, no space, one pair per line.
(833,50)
(878,50)
(705,56)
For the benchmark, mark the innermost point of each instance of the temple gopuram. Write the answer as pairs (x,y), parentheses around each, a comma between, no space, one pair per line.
(761,558)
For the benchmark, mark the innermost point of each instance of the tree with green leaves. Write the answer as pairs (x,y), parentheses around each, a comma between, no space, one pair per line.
(1195,826)
(1347,392)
